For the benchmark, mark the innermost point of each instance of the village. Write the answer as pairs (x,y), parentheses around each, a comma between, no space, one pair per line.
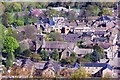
(55,46)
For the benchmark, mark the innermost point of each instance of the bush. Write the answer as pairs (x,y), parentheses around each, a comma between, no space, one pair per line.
(27,53)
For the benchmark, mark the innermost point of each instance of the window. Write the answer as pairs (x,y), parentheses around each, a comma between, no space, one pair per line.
(67,53)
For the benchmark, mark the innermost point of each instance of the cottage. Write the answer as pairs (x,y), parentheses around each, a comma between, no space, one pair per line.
(51,69)
(67,72)
(71,37)
(60,46)
(82,52)
(97,69)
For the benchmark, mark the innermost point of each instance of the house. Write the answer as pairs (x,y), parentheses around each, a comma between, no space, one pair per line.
(71,37)
(67,72)
(60,46)
(61,29)
(66,53)
(82,29)
(60,9)
(51,69)
(25,70)
(81,52)
(97,69)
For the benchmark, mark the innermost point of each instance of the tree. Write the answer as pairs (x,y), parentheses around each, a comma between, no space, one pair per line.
(54,36)
(7,19)
(18,23)
(55,55)
(73,58)
(95,56)
(63,61)
(71,16)
(13,7)
(94,9)
(99,49)
(18,51)
(9,62)
(9,44)
(87,57)
(27,53)
(16,7)
(80,73)
(2,8)
(44,55)
(106,11)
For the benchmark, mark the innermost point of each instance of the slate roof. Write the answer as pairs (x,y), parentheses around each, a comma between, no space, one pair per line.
(104,65)
(58,45)
(28,63)
(102,18)
(71,37)
(53,65)
(99,32)
(101,39)
(82,51)
(39,65)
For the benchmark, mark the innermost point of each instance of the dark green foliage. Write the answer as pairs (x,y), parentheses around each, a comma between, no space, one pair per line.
(54,36)
(44,55)
(63,61)
(18,51)
(18,23)
(27,53)
(9,63)
(7,19)
(95,56)
(71,60)
(99,50)
(55,55)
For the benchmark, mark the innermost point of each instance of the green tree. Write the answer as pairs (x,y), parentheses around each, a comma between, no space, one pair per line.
(95,56)
(9,44)
(18,23)
(54,36)
(63,61)
(7,19)
(99,50)
(18,51)
(106,11)
(13,7)
(87,57)
(80,73)
(2,8)
(55,55)
(9,62)
(27,53)
(44,55)
(16,7)
(10,59)
(73,58)
(94,9)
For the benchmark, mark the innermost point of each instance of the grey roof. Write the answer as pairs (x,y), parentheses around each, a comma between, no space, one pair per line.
(99,32)
(104,65)
(53,65)
(39,65)
(71,37)
(28,63)
(83,51)
(58,45)
(100,39)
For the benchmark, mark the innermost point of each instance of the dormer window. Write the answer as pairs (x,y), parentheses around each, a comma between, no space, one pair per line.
(67,53)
